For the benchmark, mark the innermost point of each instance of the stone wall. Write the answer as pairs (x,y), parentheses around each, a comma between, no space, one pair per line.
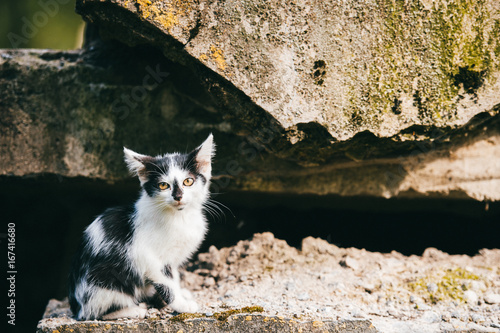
(374,98)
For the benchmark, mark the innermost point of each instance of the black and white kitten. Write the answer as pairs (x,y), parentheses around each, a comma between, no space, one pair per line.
(130,256)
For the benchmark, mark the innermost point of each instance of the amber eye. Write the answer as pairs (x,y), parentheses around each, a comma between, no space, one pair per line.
(163,186)
(188,181)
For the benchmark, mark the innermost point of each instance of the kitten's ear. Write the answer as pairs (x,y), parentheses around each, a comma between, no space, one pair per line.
(135,163)
(204,154)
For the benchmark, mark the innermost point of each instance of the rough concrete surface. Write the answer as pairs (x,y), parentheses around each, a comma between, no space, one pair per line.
(321,288)
(349,66)
(70,114)
(376,98)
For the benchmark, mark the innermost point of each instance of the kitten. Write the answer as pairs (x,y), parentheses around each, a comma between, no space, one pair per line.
(130,256)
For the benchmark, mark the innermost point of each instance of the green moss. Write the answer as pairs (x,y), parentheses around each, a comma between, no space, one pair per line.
(221,316)
(429,54)
(450,285)
(248,309)
(185,316)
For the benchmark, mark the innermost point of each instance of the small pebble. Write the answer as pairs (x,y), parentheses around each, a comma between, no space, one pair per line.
(446,317)
(243,278)
(349,262)
(422,307)
(303,297)
(209,282)
(326,310)
(368,287)
(233,256)
(477,285)
(209,314)
(492,298)
(431,317)
(231,304)
(393,312)
(432,287)
(470,297)
(477,318)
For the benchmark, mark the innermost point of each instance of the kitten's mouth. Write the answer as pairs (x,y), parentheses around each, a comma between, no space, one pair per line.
(179,205)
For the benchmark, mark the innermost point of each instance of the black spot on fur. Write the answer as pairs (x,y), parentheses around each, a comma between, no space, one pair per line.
(177,191)
(189,163)
(117,224)
(155,301)
(167,271)
(164,292)
(154,168)
(108,269)
(112,309)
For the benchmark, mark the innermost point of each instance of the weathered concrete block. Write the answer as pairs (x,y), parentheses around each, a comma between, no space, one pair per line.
(264,285)
(349,66)
(374,98)
(70,114)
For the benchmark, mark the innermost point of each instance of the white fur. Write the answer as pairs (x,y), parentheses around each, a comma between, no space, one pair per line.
(134,163)
(193,196)
(101,299)
(95,234)
(169,238)
(136,311)
(205,155)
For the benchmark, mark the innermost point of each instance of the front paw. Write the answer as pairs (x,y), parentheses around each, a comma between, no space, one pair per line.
(187,294)
(183,305)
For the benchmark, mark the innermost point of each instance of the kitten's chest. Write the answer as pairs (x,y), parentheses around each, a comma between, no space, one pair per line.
(173,241)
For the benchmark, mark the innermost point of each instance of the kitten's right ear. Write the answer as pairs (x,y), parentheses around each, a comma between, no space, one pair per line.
(136,163)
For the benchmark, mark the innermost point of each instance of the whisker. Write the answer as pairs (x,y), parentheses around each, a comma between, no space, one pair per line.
(215,203)
(214,208)
(212,212)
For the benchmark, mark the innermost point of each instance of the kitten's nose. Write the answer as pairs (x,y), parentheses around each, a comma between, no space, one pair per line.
(177,192)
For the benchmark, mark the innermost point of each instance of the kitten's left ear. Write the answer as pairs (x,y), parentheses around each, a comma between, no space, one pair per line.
(135,163)
(204,154)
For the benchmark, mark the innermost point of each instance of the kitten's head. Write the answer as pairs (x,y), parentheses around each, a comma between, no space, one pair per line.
(175,181)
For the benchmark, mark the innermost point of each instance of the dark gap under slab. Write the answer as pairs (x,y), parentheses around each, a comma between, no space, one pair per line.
(50,214)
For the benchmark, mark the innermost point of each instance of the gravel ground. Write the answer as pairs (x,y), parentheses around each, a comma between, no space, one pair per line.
(430,293)
(435,292)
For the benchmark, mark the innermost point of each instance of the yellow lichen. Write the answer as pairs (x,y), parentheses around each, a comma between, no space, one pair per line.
(185,316)
(217,56)
(165,14)
(450,285)
(248,309)
(168,20)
